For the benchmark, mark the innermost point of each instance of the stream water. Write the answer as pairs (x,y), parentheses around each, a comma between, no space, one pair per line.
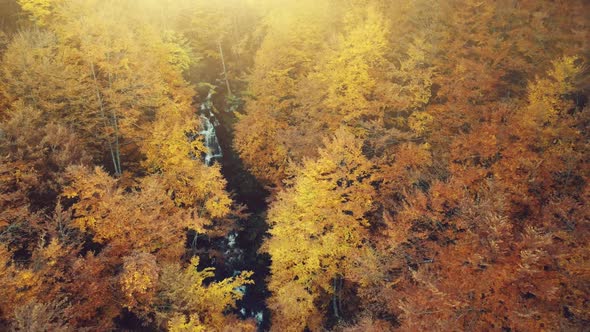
(208,123)
(240,247)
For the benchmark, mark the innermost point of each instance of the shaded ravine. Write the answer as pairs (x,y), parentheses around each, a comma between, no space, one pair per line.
(240,247)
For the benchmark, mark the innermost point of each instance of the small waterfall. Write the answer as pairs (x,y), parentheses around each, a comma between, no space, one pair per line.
(237,250)
(235,261)
(208,124)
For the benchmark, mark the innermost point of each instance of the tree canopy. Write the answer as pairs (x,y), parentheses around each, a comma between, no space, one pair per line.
(381,165)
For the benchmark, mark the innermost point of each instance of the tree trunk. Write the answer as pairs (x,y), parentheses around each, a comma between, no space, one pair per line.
(114,155)
(224,68)
(337,285)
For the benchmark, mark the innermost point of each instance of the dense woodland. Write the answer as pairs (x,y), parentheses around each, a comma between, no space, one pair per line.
(408,165)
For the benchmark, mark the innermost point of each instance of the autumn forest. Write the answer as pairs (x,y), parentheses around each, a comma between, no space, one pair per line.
(294,165)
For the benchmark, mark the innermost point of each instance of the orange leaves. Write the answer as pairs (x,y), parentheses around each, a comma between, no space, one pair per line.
(145,225)
(147,216)
(145,219)
(478,147)
(409,162)
(450,195)
(94,292)
(98,79)
(544,136)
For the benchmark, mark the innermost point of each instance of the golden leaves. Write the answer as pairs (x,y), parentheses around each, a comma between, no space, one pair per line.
(139,280)
(145,218)
(40,10)
(347,72)
(317,223)
(544,94)
(420,122)
(184,291)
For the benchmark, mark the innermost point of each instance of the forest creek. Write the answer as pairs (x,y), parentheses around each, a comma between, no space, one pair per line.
(240,247)
(294,165)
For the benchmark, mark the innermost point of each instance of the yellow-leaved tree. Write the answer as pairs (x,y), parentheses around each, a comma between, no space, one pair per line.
(143,218)
(317,224)
(269,134)
(171,152)
(186,302)
(349,70)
